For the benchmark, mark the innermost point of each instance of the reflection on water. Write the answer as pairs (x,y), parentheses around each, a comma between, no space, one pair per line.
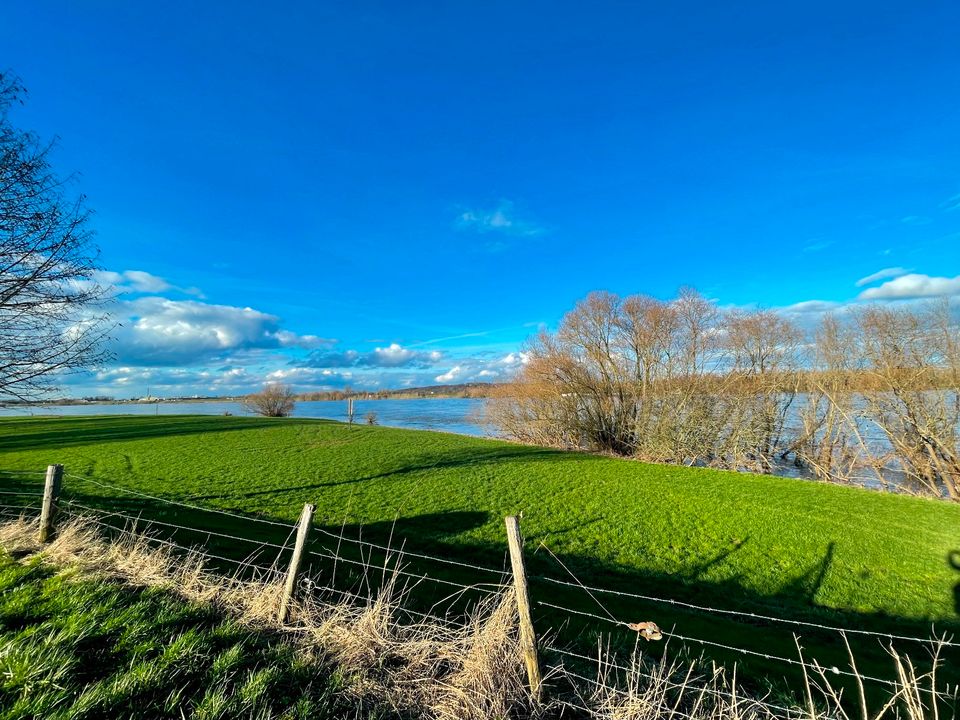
(458,415)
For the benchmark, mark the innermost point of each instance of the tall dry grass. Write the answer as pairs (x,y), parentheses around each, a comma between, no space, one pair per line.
(429,668)
(425,669)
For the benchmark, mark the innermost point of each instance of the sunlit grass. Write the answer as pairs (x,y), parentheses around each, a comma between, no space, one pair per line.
(787,547)
(81,648)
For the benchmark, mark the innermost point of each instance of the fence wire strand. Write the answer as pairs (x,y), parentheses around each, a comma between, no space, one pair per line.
(751,615)
(488,588)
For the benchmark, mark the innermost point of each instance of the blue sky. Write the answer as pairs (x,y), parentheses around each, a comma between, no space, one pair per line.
(380,194)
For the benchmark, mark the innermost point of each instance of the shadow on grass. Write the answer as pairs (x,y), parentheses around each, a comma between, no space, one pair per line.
(53,432)
(954,560)
(451,458)
(140,666)
(432,586)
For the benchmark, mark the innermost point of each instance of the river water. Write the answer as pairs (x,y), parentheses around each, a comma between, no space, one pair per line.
(457,415)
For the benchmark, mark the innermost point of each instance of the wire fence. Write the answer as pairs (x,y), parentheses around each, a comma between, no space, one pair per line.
(458,577)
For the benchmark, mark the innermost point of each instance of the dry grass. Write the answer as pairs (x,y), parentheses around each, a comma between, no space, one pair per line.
(432,669)
(426,668)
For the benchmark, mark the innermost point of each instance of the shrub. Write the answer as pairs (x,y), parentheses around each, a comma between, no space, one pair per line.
(273,401)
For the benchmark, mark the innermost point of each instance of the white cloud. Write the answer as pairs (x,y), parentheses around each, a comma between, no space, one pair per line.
(160,331)
(397,356)
(913,285)
(882,275)
(810,306)
(138,282)
(951,204)
(312,377)
(449,376)
(484,370)
(501,219)
(392,356)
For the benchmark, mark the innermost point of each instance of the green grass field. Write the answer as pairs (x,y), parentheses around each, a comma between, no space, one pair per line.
(787,547)
(74,648)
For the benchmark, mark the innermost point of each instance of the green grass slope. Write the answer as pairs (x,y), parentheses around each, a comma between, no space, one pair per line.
(76,649)
(787,547)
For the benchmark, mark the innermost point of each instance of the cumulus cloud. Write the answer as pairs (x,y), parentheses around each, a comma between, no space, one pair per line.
(160,331)
(913,285)
(501,219)
(396,356)
(392,356)
(892,272)
(484,370)
(312,377)
(451,375)
(810,306)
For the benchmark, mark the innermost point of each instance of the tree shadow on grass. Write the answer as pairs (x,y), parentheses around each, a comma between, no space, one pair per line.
(954,559)
(57,432)
(451,459)
(91,652)
(434,586)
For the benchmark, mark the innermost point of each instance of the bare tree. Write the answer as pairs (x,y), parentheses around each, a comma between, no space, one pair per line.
(49,318)
(671,381)
(274,400)
(911,358)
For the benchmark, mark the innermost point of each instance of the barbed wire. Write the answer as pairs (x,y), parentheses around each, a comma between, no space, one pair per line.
(151,521)
(480,587)
(409,553)
(790,661)
(178,503)
(606,663)
(149,538)
(667,712)
(249,564)
(816,667)
(322,531)
(20,507)
(751,615)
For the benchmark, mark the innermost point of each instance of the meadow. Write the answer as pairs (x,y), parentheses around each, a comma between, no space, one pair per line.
(796,549)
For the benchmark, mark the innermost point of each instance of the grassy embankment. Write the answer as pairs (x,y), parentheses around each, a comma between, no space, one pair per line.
(785,547)
(84,648)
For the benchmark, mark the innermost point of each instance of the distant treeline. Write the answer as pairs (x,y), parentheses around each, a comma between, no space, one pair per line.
(464,390)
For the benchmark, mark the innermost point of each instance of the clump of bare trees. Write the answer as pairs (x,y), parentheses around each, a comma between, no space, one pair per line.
(885,398)
(275,400)
(682,381)
(668,381)
(49,318)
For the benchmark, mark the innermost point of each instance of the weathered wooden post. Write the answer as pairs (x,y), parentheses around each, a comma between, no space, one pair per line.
(528,637)
(51,493)
(303,534)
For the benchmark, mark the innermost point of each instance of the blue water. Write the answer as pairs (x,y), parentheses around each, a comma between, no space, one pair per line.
(457,415)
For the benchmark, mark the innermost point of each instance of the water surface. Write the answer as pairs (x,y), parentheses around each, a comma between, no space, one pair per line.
(457,415)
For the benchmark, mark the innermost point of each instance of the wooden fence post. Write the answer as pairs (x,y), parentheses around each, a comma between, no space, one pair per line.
(528,637)
(51,493)
(303,533)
